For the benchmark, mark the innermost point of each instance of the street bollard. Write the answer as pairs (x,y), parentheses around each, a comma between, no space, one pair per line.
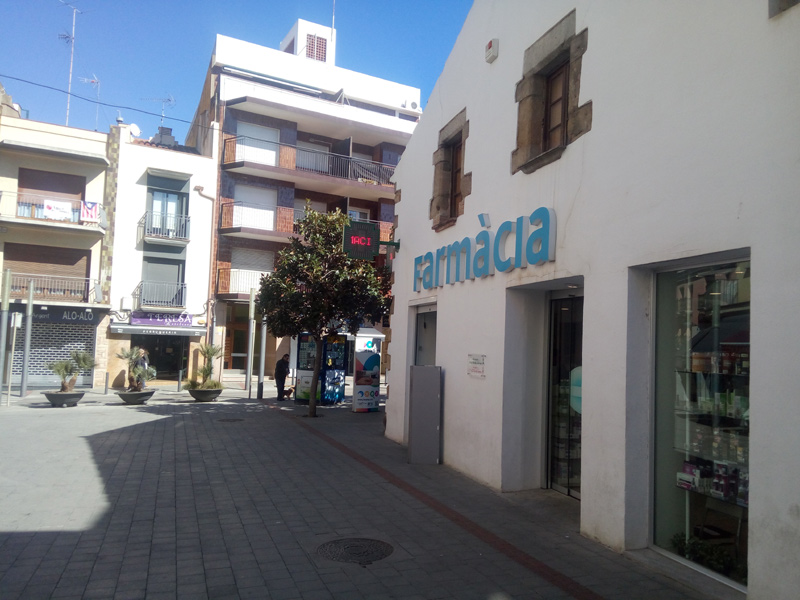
(105,392)
(180,378)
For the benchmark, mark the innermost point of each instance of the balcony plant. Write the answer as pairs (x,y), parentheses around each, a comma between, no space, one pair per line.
(68,370)
(208,388)
(137,377)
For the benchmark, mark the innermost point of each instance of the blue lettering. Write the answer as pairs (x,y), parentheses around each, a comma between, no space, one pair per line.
(541,243)
(502,264)
(441,254)
(456,249)
(482,265)
(427,273)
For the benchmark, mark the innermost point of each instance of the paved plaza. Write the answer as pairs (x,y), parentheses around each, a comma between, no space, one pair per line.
(241,498)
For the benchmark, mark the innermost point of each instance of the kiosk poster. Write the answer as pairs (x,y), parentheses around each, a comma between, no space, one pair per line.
(367,376)
(306,353)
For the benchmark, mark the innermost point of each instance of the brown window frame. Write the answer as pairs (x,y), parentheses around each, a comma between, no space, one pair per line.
(451,185)
(456,173)
(559,48)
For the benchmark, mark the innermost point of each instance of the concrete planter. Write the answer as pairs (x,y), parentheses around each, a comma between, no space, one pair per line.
(60,399)
(136,397)
(202,395)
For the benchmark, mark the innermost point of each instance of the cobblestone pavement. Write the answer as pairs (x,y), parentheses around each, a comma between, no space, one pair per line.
(247,499)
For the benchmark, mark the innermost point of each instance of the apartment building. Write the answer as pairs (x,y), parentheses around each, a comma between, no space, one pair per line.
(160,205)
(52,227)
(294,131)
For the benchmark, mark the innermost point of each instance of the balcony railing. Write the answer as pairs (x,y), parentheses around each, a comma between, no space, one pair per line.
(165,225)
(164,294)
(55,289)
(238,281)
(49,208)
(274,154)
(279,219)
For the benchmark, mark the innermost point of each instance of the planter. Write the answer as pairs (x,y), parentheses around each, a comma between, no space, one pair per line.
(60,399)
(136,397)
(201,395)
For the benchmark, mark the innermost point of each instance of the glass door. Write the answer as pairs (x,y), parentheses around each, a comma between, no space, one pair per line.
(566,334)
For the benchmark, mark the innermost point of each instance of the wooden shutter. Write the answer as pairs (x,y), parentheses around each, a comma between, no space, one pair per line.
(46,260)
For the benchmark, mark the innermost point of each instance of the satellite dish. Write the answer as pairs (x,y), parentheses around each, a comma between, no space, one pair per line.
(135,130)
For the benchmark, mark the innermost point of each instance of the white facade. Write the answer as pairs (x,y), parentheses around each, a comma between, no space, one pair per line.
(691,158)
(135,162)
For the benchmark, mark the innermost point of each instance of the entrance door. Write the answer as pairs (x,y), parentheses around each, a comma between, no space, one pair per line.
(425,350)
(168,354)
(566,334)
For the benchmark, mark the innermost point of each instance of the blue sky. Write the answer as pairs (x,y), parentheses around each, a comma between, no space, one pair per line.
(143,50)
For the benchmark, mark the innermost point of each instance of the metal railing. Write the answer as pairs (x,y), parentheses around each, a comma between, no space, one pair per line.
(247,149)
(160,293)
(238,281)
(55,289)
(49,208)
(165,225)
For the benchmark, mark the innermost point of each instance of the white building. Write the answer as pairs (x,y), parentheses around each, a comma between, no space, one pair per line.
(614,190)
(160,204)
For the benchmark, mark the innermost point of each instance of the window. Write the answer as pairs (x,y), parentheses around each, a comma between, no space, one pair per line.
(548,115)
(316,47)
(167,207)
(555,113)
(702,415)
(776,7)
(456,168)
(450,184)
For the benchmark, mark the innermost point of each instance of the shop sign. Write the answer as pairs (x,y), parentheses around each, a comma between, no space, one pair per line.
(161,319)
(55,314)
(484,254)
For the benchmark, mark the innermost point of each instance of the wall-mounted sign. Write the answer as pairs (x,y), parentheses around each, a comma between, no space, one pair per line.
(161,319)
(476,364)
(61,314)
(361,240)
(512,246)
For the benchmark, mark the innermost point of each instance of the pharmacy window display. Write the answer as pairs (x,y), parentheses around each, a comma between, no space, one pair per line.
(703,415)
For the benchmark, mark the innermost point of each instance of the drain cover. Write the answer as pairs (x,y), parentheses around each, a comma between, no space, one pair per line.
(229,420)
(355,550)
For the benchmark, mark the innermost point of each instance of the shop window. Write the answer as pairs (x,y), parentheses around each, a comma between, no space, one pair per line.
(450,185)
(703,415)
(548,115)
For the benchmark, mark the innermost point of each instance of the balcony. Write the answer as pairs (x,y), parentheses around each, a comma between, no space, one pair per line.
(258,221)
(237,283)
(164,228)
(159,294)
(47,288)
(51,211)
(309,169)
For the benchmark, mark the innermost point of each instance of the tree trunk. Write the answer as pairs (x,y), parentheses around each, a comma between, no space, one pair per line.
(312,400)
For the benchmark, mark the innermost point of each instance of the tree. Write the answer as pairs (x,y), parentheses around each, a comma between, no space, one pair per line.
(317,289)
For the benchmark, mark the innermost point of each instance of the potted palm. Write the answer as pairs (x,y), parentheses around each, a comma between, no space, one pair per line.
(138,374)
(207,389)
(68,370)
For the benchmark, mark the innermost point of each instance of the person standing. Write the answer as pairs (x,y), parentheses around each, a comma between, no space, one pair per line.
(281,372)
(143,362)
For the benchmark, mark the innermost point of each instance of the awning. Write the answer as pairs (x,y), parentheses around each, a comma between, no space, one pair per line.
(369,332)
(124,328)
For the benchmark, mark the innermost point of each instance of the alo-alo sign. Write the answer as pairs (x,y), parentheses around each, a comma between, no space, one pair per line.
(533,243)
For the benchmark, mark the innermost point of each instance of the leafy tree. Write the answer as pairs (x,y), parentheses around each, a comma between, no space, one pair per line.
(317,289)
(69,368)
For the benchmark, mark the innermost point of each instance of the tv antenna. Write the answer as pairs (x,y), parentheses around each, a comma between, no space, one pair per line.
(70,39)
(96,85)
(169,101)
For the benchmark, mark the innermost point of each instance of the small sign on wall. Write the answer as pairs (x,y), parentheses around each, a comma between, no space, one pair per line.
(475,365)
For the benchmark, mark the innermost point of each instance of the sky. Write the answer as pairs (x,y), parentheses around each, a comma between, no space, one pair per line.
(145,51)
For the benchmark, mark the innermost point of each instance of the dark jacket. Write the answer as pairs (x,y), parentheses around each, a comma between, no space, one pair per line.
(281,369)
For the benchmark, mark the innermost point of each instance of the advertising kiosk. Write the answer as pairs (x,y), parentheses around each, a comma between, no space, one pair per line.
(330,389)
(367,371)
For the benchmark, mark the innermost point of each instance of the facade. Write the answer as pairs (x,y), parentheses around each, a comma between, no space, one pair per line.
(160,201)
(598,226)
(295,131)
(52,225)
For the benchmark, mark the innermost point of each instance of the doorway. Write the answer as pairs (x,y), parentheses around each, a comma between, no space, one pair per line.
(565,401)
(425,346)
(169,354)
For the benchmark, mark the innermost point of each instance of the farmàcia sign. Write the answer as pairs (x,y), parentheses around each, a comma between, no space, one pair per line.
(533,242)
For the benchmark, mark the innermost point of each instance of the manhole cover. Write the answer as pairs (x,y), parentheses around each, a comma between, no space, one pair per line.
(355,550)
(229,420)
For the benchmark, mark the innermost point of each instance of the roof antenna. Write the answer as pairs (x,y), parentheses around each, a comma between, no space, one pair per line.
(70,39)
(96,85)
(168,101)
